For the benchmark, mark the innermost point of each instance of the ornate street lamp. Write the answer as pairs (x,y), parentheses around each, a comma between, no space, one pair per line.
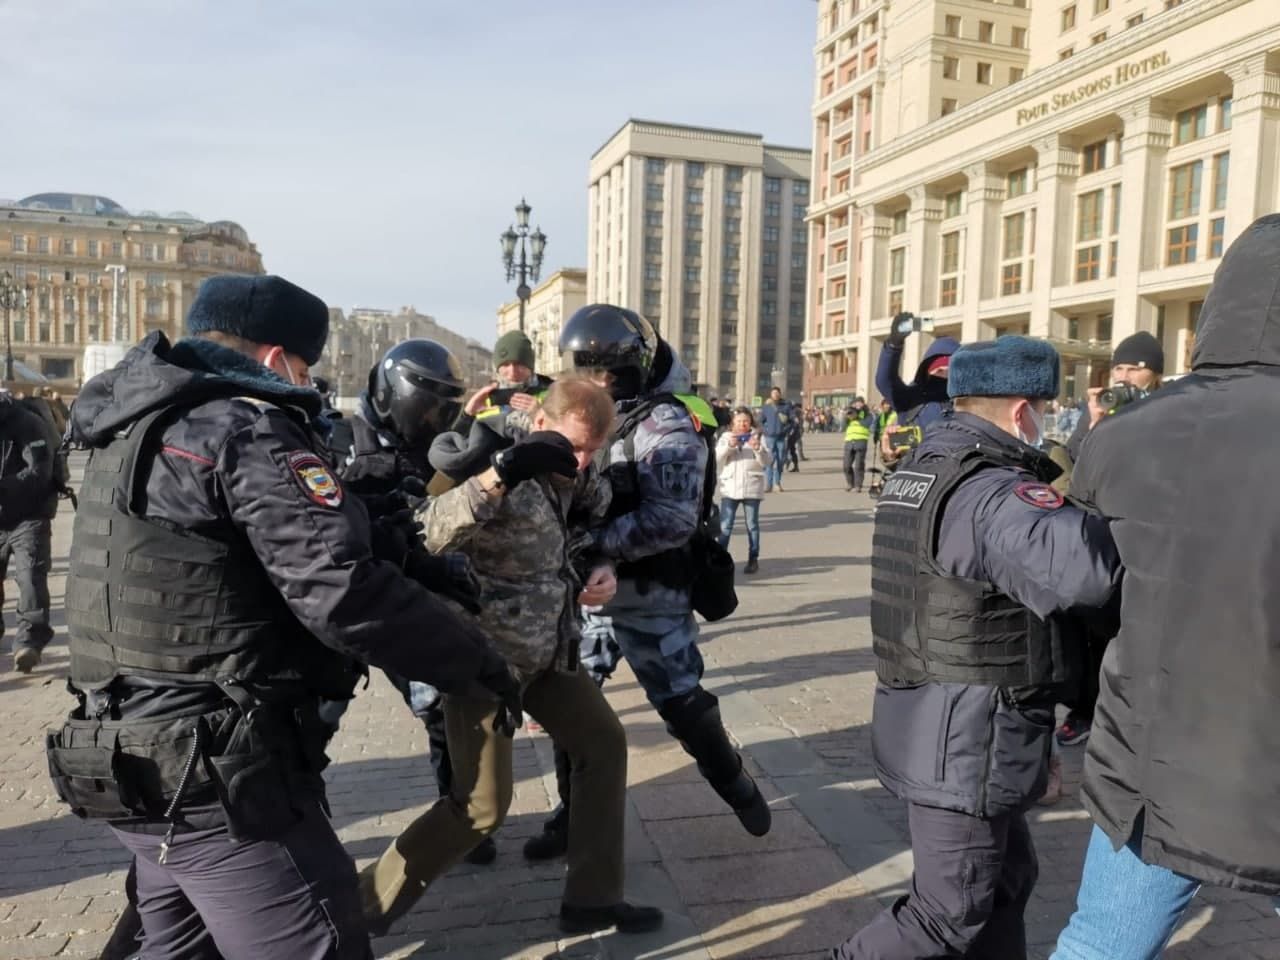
(13,296)
(529,263)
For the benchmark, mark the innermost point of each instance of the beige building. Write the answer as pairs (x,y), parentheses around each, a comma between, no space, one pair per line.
(1091,199)
(703,232)
(358,339)
(61,246)
(551,303)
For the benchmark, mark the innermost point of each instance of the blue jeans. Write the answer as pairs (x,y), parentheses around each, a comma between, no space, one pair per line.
(773,472)
(751,511)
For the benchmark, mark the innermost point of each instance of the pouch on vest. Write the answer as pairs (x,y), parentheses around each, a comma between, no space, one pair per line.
(252,778)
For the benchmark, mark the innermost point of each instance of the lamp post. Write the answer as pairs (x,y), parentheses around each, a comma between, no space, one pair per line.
(526,267)
(12,297)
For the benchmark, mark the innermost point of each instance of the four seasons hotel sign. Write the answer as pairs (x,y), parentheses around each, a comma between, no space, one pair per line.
(1121,74)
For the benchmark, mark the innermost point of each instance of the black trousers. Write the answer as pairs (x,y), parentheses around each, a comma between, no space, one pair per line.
(972,880)
(293,898)
(28,546)
(855,463)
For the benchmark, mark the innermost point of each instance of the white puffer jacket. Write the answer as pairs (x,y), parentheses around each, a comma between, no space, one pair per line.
(741,469)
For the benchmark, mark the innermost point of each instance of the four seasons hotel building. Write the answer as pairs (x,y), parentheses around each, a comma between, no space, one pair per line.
(1069,169)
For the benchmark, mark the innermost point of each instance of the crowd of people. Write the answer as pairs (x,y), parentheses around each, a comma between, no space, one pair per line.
(242,554)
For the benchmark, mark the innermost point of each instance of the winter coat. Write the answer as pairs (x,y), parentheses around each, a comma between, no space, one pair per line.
(1185,738)
(926,392)
(26,465)
(741,469)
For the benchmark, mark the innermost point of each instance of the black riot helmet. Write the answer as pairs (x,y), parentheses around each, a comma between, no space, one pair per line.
(601,336)
(416,390)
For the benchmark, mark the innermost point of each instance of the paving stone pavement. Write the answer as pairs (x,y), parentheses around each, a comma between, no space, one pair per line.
(793,669)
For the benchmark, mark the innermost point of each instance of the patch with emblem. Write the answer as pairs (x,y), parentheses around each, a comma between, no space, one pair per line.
(317,480)
(1039,495)
(906,489)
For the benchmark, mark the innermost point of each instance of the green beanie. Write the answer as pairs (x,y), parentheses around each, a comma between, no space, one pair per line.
(513,347)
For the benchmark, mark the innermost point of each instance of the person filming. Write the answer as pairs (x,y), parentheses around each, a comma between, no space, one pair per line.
(742,458)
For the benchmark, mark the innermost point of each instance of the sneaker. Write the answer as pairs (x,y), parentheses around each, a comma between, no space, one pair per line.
(1053,791)
(1075,729)
(626,917)
(483,853)
(26,659)
(752,566)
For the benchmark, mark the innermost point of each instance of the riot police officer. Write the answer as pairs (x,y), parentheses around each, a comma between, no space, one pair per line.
(976,568)
(414,394)
(221,584)
(657,464)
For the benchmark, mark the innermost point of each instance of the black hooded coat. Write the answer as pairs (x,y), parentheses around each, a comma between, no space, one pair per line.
(1185,741)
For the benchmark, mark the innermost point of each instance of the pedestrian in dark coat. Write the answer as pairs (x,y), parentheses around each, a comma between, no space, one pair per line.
(1183,769)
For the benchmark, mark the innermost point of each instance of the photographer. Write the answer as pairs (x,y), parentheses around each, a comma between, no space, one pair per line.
(924,400)
(742,459)
(859,426)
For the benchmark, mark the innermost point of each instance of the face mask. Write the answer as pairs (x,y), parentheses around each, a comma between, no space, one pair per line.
(1038,440)
(288,371)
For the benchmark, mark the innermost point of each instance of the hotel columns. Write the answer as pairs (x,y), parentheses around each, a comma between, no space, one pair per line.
(982,246)
(1253,188)
(1056,171)
(1147,136)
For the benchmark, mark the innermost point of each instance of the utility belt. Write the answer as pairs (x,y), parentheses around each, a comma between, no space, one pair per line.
(701,566)
(260,762)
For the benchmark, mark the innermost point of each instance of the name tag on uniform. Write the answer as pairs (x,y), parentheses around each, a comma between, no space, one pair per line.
(906,489)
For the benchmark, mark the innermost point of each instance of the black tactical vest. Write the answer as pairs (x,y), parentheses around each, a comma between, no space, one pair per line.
(929,626)
(150,600)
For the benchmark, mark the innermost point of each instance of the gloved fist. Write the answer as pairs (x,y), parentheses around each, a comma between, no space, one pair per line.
(394,535)
(448,574)
(541,452)
(496,677)
(414,492)
(900,329)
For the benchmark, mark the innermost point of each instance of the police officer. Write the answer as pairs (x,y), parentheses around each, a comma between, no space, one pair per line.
(414,394)
(656,462)
(221,584)
(28,502)
(976,567)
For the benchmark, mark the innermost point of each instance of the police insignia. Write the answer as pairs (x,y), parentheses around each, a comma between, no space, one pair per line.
(1039,495)
(906,489)
(317,480)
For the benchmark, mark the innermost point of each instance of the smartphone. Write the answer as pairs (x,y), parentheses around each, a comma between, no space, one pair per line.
(744,438)
(502,396)
(917,324)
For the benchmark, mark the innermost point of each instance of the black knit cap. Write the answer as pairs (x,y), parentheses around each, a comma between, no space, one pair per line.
(266,309)
(1140,349)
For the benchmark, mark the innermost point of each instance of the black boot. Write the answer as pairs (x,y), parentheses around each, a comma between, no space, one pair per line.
(627,917)
(694,720)
(553,841)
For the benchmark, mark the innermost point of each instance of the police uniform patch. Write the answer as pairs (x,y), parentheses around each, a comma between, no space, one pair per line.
(906,489)
(1039,495)
(317,480)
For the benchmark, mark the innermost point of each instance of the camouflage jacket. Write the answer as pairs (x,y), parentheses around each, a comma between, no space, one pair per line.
(670,464)
(527,550)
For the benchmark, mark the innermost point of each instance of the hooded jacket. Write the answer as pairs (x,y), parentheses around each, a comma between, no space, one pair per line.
(26,465)
(927,393)
(1185,742)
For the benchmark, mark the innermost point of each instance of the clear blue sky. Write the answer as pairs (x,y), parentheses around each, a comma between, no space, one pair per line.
(374,148)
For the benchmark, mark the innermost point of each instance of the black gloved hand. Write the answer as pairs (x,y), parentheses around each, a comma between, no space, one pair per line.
(899,329)
(394,535)
(414,492)
(541,452)
(385,504)
(496,677)
(448,574)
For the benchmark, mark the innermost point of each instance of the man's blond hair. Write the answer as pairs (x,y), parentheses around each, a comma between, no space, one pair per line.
(579,397)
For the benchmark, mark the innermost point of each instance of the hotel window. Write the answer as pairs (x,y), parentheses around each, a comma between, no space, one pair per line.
(953,26)
(694,170)
(44,331)
(1089,224)
(798,236)
(950,267)
(1217,233)
(770,258)
(19,329)
(1104,328)
(986,31)
(117,248)
(897,277)
(1015,231)
(733,174)
(732,251)
(948,106)
(730,278)
(1016,182)
(91,305)
(42,245)
(899,223)
(19,243)
(693,197)
(797,261)
(693,221)
(1191,124)
(653,271)
(1182,245)
(1018,38)
(773,209)
(1184,190)
(692,276)
(798,211)
(952,204)
(93,248)
(1093,157)
(950,68)
(732,198)
(772,185)
(1221,166)
(1224,113)
(1097,38)
(769,284)
(653,218)
(68,246)
(654,165)
(692,249)
(1133,21)
(42,301)
(1068,18)
(1011,279)
(800,188)
(1016,74)
(770,234)
(1113,257)
(1101,6)
(1088,263)
(984,73)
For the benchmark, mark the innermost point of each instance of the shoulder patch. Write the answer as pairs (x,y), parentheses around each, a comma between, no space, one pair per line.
(906,489)
(1039,495)
(316,479)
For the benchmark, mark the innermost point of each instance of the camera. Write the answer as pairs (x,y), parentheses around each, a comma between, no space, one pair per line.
(1119,395)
